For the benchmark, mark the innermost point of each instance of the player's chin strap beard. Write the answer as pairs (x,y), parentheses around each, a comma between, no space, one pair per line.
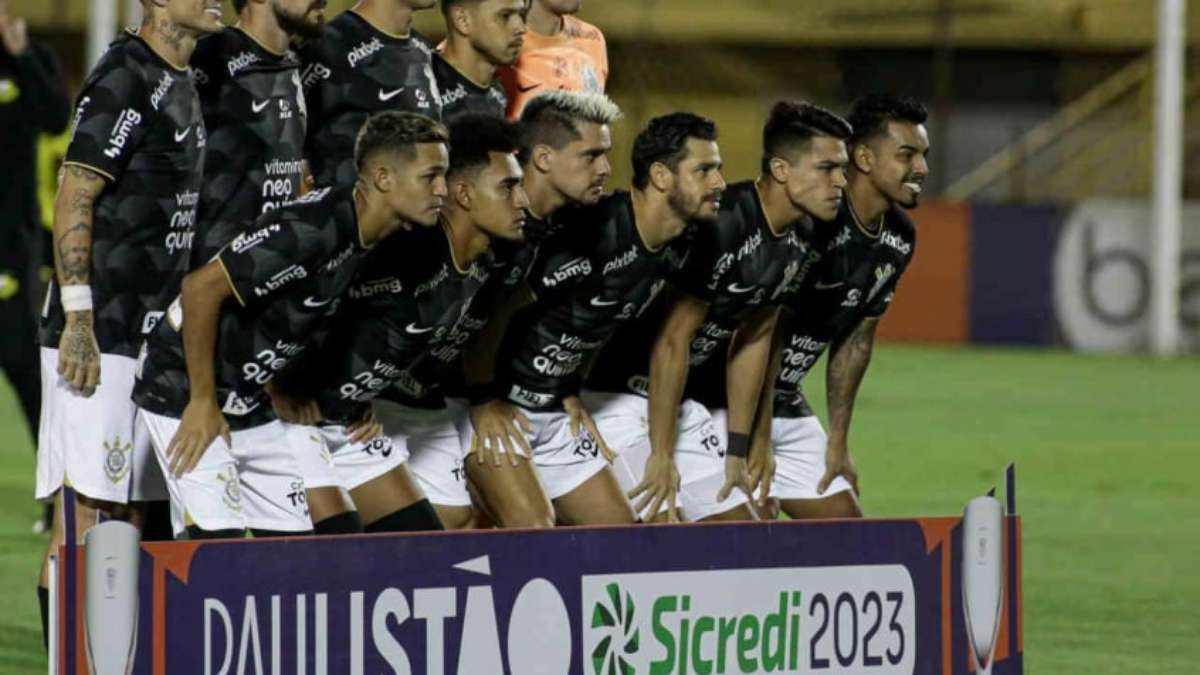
(871,230)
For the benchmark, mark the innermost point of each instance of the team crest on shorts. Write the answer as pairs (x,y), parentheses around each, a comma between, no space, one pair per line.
(232,495)
(116,459)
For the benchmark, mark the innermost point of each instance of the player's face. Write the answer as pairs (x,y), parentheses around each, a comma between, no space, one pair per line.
(561,7)
(303,18)
(816,181)
(418,185)
(698,184)
(581,167)
(195,16)
(498,30)
(900,166)
(498,200)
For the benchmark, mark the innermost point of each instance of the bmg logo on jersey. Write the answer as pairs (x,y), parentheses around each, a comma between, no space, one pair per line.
(576,267)
(363,50)
(314,73)
(288,275)
(119,136)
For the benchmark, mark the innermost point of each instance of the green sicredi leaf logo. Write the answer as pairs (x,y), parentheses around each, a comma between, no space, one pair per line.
(614,617)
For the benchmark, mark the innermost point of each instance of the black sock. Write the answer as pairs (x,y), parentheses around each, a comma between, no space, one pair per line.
(195,533)
(415,518)
(348,522)
(261,533)
(44,603)
(158,522)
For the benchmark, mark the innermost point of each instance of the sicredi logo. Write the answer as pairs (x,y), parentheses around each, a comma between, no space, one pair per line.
(841,620)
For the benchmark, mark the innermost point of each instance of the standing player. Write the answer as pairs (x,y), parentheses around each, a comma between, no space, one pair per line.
(601,272)
(862,254)
(249,86)
(367,59)
(481,35)
(411,296)
(560,52)
(242,317)
(122,230)
(722,311)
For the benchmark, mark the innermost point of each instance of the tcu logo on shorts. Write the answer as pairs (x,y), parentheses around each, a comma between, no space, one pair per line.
(586,445)
(380,444)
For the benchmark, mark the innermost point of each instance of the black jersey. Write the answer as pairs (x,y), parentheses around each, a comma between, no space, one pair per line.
(590,278)
(853,278)
(461,95)
(735,265)
(138,124)
(255,116)
(288,272)
(352,71)
(410,294)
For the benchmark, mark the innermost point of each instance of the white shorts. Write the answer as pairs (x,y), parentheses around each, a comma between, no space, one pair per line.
(255,484)
(356,464)
(800,459)
(624,421)
(95,444)
(435,450)
(312,456)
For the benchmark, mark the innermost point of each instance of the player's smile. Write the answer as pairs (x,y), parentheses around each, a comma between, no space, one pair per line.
(213,11)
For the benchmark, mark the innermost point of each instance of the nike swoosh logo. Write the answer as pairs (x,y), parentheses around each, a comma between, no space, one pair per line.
(529,88)
(413,330)
(821,285)
(310,301)
(734,288)
(180,135)
(257,106)
(389,95)
(600,302)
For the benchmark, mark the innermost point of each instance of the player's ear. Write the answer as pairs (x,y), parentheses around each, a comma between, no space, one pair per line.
(542,157)
(460,19)
(780,169)
(661,177)
(863,157)
(381,176)
(460,192)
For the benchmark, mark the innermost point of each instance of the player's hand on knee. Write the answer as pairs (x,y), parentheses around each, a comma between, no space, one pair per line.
(762,471)
(580,418)
(200,425)
(660,484)
(366,428)
(79,354)
(838,463)
(500,429)
(736,476)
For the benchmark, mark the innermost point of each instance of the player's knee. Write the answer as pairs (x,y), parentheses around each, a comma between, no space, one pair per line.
(456,517)
(525,516)
(738,513)
(418,517)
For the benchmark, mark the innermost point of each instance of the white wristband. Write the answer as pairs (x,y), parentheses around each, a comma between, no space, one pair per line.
(76,298)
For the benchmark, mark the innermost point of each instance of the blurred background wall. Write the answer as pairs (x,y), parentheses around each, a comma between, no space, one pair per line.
(1038,227)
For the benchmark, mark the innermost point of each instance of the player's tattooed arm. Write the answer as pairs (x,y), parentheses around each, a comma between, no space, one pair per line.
(78,352)
(848,361)
(745,378)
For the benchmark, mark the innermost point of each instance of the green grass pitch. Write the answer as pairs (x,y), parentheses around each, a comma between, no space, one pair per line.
(1107,451)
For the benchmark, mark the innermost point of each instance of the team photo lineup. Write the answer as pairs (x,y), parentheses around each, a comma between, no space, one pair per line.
(314,274)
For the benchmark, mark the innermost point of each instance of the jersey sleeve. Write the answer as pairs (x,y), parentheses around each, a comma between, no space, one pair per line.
(112,118)
(701,270)
(315,71)
(263,263)
(562,260)
(883,299)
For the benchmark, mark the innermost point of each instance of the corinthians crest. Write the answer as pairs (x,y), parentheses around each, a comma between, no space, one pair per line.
(232,495)
(116,459)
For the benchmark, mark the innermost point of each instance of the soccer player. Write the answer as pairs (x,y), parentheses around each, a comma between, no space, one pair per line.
(601,271)
(242,317)
(857,261)
(722,309)
(411,296)
(249,85)
(368,59)
(122,230)
(560,52)
(481,35)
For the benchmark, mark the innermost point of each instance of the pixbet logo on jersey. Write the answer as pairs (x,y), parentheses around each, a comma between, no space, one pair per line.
(363,50)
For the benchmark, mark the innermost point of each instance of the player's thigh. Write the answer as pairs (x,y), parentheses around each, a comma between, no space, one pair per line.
(700,458)
(512,496)
(274,495)
(841,505)
(323,490)
(455,517)
(597,501)
(799,444)
(436,458)
(384,495)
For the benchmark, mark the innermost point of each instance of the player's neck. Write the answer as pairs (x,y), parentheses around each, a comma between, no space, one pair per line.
(544,200)
(387,16)
(544,22)
(781,213)
(170,41)
(467,240)
(655,220)
(866,202)
(259,23)
(375,219)
(465,59)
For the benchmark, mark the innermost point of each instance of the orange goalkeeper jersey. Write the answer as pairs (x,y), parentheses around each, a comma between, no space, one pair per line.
(575,59)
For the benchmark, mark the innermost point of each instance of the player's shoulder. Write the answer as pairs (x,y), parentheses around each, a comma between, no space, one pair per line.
(421,43)
(578,29)
(739,205)
(336,36)
(215,55)
(128,64)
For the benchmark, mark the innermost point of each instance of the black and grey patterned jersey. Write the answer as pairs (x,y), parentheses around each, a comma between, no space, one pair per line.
(137,123)
(736,266)
(255,116)
(853,277)
(589,278)
(408,296)
(350,72)
(461,95)
(289,273)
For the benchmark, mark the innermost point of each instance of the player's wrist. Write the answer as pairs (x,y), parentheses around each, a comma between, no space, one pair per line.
(76,298)
(738,445)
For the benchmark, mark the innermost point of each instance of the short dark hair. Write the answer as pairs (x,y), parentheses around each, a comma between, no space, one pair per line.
(665,140)
(474,136)
(791,126)
(870,114)
(398,132)
(552,118)
(239,5)
(448,5)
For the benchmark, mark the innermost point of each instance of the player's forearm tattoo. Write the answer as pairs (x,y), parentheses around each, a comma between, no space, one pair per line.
(75,253)
(81,202)
(847,365)
(73,224)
